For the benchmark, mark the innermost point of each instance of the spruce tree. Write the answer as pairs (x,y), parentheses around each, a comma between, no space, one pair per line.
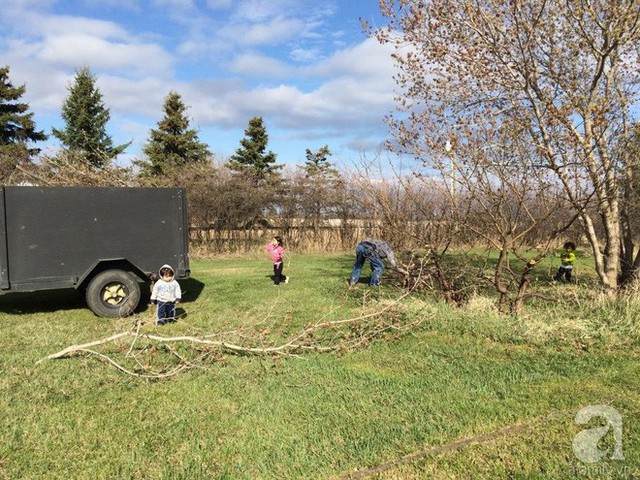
(16,125)
(251,157)
(17,128)
(86,118)
(321,185)
(318,164)
(173,143)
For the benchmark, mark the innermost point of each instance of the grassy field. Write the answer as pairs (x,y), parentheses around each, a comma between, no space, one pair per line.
(466,393)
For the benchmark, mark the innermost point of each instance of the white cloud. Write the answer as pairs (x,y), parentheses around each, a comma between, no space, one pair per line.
(39,24)
(192,48)
(256,65)
(364,60)
(257,11)
(273,32)
(271,22)
(13,8)
(77,50)
(305,55)
(132,131)
(45,87)
(354,97)
(139,97)
(349,91)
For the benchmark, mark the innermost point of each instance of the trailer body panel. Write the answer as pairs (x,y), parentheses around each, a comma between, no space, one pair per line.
(55,237)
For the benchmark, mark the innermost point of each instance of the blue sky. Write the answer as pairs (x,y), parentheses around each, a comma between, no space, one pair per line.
(304,66)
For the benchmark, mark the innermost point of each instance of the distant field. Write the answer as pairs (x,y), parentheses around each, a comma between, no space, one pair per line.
(464,393)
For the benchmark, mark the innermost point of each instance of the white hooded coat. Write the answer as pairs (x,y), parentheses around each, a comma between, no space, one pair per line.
(164,291)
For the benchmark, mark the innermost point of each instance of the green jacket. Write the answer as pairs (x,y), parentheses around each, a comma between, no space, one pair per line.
(567,258)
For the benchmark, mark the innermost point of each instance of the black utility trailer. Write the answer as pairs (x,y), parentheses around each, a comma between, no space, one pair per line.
(101,240)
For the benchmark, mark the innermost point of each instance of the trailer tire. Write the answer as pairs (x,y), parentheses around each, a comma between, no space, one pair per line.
(113,293)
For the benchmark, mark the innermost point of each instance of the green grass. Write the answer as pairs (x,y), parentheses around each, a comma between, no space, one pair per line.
(462,373)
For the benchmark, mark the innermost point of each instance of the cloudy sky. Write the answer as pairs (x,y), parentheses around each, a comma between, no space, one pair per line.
(305,66)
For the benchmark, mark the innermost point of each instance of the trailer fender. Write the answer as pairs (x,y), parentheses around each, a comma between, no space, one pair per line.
(110,264)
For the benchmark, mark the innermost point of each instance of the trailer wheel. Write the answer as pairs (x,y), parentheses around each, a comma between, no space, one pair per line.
(113,293)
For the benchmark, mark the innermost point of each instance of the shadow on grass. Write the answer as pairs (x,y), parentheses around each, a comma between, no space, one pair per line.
(363,280)
(191,289)
(273,278)
(46,301)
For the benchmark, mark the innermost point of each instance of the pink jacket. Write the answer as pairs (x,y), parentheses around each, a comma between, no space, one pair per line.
(276,252)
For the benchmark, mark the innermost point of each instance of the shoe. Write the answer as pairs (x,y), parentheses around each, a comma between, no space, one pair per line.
(286,280)
(159,323)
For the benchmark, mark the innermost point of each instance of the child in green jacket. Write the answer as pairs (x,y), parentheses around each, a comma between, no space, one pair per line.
(567,257)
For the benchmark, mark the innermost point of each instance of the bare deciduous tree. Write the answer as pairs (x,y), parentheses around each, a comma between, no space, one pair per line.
(506,201)
(562,75)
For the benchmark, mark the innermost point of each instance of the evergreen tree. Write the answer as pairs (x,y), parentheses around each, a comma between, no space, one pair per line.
(17,127)
(320,187)
(251,158)
(317,163)
(173,143)
(86,117)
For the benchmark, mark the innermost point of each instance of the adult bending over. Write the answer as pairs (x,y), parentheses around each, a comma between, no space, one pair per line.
(373,251)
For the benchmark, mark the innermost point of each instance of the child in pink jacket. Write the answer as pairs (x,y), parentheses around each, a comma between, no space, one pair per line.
(276,251)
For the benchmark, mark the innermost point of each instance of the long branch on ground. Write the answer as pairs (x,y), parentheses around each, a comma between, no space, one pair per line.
(322,336)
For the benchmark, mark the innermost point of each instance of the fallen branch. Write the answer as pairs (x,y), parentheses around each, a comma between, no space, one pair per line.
(305,341)
(109,360)
(86,346)
(287,347)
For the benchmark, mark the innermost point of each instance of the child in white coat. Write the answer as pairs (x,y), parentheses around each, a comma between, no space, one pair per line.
(166,293)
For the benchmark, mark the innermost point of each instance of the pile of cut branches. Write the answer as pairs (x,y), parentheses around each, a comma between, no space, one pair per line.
(151,356)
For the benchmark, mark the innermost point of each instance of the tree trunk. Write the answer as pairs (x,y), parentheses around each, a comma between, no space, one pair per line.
(606,260)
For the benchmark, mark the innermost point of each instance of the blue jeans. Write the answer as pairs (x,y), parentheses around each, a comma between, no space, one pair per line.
(366,251)
(166,312)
